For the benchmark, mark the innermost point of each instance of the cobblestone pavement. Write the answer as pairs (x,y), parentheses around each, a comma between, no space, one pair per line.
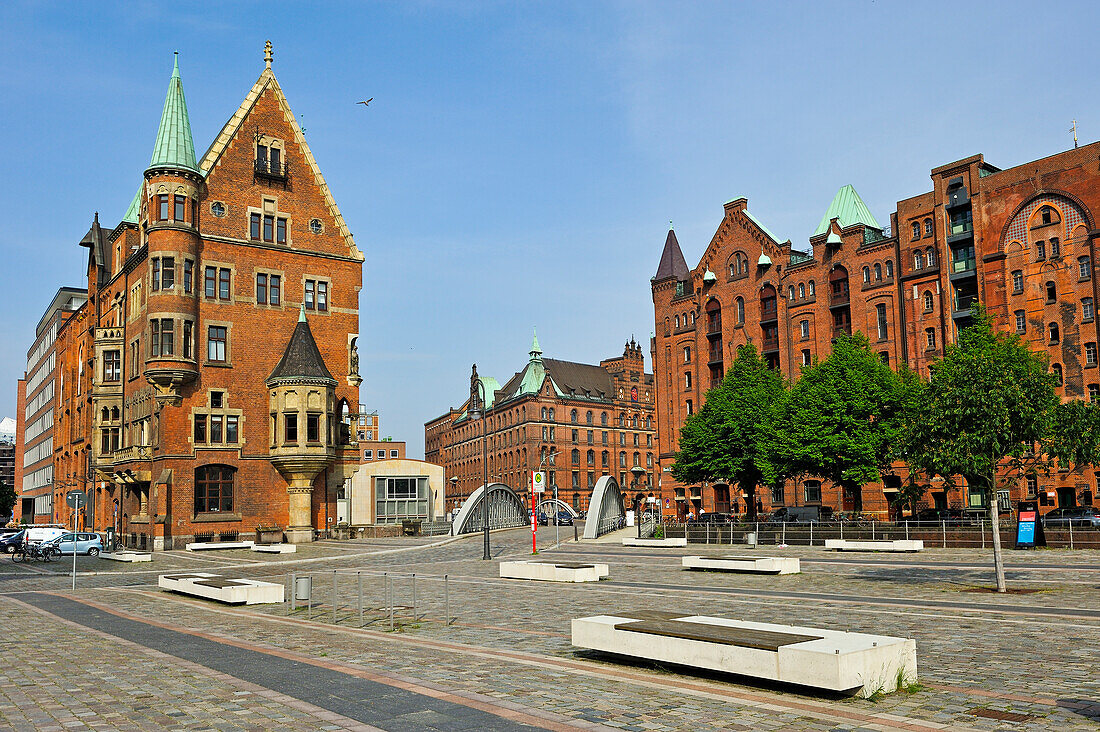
(507,645)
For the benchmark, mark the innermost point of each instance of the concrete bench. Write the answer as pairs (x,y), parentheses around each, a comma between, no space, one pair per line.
(897,545)
(200,546)
(222,589)
(733,563)
(275,548)
(551,571)
(635,541)
(123,556)
(852,663)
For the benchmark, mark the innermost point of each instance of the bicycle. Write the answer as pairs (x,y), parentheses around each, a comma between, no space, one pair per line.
(36,551)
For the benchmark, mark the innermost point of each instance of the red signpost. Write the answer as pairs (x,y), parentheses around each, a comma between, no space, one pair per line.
(538,479)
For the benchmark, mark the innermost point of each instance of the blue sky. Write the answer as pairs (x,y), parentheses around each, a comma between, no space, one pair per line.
(520,161)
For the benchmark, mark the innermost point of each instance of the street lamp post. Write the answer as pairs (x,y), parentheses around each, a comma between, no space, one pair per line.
(545,457)
(454,492)
(476,410)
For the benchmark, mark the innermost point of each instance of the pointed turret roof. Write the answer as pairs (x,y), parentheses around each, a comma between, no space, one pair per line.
(534,373)
(133,213)
(672,259)
(174,146)
(535,352)
(301,359)
(847,208)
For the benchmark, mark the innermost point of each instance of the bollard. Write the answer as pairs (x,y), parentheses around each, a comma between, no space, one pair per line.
(811,533)
(414,596)
(334,597)
(293,593)
(359,595)
(1070,522)
(907,530)
(446,601)
(309,602)
(944,524)
(842,529)
(784,540)
(390,583)
(981,528)
(872,529)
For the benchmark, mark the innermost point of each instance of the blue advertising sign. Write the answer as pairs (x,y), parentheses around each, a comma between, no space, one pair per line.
(1029,532)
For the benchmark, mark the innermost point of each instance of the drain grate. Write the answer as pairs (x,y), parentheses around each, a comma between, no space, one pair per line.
(1003,716)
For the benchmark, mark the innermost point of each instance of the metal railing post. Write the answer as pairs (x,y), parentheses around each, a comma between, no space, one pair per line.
(359,595)
(784,539)
(943,522)
(390,585)
(293,593)
(811,533)
(907,530)
(1070,522)
(309,602)
(446,601)
(981,528)
(872,529)
(334,596)
(414,596)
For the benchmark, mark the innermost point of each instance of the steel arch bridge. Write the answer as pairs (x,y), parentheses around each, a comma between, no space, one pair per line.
(606,510)
(562,506)
(506,510)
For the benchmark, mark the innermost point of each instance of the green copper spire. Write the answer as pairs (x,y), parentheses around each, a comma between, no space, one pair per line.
(848,208)
(174,146)
(134,212)
(535,352)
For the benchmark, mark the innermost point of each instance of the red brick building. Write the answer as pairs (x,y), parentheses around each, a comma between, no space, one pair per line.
(1021,241)
(576,421)
(209,385)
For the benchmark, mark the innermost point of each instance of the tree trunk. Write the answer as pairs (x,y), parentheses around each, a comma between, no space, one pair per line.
(994,520)
(750,499)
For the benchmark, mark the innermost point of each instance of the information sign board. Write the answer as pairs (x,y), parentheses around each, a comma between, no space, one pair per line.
(538,481)
(1029,529)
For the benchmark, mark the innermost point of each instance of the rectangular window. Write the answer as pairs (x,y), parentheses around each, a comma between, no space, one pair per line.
(882,333)
(162,205)
(261,289)
(1084,267)
(112,365)
(368,454)
(1090,354)
(254,226)
(813,491)
(1094,392)
(274,289)
(1086,309)
(261,157)
(223,284)
(777,495)
(216,399)
(210,282)
(200,428)
(168,273)
(1021,322)
(313,428)
(216,343)
(806,357)
(1017,282)
(280,231)
(155,285)
(215,429)
(188,275)
(322,295)
(290,425)
(135,358)
(309,298)
(804,327)
(180,207)
(276,155)
(269,227)
(160,342)
(188,339)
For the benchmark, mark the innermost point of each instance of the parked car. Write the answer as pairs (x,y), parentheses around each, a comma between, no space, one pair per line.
(84,543)
(11,542)
(800,514)
(949,516)
(713,517)
(1072,515)
(39,534)
(564,519)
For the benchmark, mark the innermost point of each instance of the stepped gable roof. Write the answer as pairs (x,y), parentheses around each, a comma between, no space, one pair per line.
(301,359)
(672,260)
(847,208)
(174,146)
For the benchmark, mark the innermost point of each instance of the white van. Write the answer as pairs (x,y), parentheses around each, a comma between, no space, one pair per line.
(37,535)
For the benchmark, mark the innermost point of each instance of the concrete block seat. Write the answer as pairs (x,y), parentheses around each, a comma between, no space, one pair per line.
(850,663)
(552,571)
(125,556)
(635,541)
(222,589)
(734,563)
(275,548)
(199,546)
(897,545)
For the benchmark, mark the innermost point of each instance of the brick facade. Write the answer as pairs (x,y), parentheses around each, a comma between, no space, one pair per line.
(575,421)
(154,425)
(1019,240)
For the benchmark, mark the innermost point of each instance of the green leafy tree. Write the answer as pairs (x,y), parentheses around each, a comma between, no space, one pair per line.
(990,402)
(727,438)
(843,419)
(7,498)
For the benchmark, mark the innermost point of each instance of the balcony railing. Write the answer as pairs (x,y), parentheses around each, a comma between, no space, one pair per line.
(770,344)
(837,299)
(842,330)
(768,311)
(272,169)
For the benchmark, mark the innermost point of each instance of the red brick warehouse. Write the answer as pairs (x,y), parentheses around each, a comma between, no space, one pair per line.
(208,385)
(1021,241)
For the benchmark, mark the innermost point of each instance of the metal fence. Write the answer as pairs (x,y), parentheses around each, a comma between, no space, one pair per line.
(934,534)
(369,599)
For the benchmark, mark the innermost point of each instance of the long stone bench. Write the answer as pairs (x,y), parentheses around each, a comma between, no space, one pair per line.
(635,541)
(733,563)
(897,545)
(200,546)
(124,556)
(852,663)
(551,571)
(275,548)
(222,589)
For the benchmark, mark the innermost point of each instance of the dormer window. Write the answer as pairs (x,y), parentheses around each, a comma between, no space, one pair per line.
(270,162)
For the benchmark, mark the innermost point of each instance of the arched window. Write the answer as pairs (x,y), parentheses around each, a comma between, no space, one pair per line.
(550,414)
(878,272)
(677,321)
(576,457)
(1052,292)
(929,302)
(544,414)
(214,488)
(740,311)
(889,268)
(573,416)
(345,422)
(930,338)
(866,274)
(1056,369)
(811,288)
(1054,332)
(648,423)
(588,417)
(790,292)
(603,419)
(880,311)
(931,257)
(916,230)
(928,227)
(591,457)
(801,290)
(918,259)
(605,461)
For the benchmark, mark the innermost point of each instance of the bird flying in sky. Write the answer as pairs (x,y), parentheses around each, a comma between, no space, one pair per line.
(366,103)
